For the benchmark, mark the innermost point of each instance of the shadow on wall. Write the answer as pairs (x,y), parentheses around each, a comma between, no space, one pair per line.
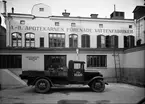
(2,37)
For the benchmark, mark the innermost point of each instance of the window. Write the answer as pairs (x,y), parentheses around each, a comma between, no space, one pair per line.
(138,42)
(73,40)
(10,61)
(101,41)
(96,60)
(22,22)
(100,25)
(117,13)
(54,61)
(29,40)
(56,40)
(56,23)
(121,14)
(41,9)
(85,41)
(16,39)
(114,41)
(130,26)
(41,41)
(73,24)
(108,41)
(129,41)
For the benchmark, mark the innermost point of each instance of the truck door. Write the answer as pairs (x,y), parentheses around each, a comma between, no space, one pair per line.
(78,72)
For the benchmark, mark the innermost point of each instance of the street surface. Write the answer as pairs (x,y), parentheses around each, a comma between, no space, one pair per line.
(114,93)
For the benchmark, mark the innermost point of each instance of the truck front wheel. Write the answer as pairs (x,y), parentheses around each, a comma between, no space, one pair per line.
(98,85)
(42,86)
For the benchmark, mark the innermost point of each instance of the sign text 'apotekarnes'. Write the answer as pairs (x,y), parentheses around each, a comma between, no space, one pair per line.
(81,30)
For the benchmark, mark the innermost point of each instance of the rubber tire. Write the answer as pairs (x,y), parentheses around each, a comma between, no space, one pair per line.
(98,90)
(47,84)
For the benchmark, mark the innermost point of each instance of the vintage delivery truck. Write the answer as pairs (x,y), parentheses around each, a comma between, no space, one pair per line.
(59,75)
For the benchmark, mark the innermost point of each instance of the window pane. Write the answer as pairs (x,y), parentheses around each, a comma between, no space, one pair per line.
(10,61)
(96,61)
(29,40)
(16,37)
(55,61)
(73,40)
(56,40)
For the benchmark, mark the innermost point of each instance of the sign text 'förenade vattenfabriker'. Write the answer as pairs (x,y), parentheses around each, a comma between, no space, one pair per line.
(60,29)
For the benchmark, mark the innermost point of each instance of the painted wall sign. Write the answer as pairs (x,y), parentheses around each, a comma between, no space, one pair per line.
(33,58)
(60,29)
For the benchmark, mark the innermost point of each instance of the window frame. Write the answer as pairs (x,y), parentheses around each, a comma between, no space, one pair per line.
(41,43)
(10,61)
(86,41)
(74,42)
(49,59)
(56,23)
(41,9)
(17,39)
(130,26)
(73,24)
(99,41)
(96,61)
(100,25)
(29,41)
(54,37)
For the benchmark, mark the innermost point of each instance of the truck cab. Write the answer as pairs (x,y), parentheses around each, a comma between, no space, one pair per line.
(54,75)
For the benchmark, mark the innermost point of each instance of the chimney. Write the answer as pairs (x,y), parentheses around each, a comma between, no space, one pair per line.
(65,14)
(5,7)
(94,16)
(12,10)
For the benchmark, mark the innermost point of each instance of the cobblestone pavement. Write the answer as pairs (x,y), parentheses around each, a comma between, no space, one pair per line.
(114,93)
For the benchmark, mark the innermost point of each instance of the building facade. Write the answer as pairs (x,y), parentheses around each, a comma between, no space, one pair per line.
(139,16)
(36,41)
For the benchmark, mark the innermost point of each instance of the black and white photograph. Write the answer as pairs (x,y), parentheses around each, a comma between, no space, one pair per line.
(72,51)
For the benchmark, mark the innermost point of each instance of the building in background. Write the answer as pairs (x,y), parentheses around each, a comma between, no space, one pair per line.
(139,16)
(2,33)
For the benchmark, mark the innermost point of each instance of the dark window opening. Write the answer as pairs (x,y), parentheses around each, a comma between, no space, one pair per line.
(10,61)
(73,40)
(96,60)
(41,41)
(56,40)
(130,26)
(114,41)
(22,22)
(117,13)
(73,24)
(56,23)
(129,41)
(121,14)
(101,41)
(54,61)
(85,41)
(41,9)
(138,43)
(100,25)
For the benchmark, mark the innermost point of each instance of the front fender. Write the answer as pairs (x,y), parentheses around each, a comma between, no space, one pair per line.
(95,78)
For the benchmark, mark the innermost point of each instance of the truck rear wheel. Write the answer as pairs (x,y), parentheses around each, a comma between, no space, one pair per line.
(97,86)
(42,86)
